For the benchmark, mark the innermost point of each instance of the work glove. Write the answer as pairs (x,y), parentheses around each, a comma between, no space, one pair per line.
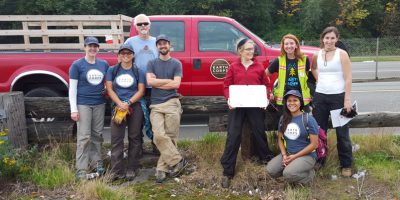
(119,115)
(350,114)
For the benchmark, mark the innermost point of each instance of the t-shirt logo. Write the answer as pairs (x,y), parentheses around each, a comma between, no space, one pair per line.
(146,48)
(292,131)
(94,76)
(124,80)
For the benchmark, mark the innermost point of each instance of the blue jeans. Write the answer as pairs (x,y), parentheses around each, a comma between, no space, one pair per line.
(324,103)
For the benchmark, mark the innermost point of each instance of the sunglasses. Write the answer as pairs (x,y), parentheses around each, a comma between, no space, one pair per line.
(142,23)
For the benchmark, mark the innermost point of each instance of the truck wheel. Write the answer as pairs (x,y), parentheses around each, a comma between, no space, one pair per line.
(42,92)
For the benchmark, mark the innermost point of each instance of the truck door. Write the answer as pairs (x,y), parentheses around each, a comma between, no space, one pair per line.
(178,31)
(213,50)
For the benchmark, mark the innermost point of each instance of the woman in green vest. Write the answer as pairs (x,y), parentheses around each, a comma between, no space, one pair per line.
(293,68)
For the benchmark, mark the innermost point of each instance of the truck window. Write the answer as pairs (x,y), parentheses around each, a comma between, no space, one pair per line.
(218,36)
(175,30)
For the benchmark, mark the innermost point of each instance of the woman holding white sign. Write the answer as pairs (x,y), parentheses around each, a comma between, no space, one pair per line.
(246,71)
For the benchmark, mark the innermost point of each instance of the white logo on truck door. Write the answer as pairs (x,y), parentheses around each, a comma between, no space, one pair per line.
(219,68)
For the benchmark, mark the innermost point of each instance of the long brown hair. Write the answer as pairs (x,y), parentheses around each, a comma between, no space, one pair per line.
(287,115)
(297,52)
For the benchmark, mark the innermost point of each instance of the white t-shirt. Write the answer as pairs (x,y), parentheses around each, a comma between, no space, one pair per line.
(330,74)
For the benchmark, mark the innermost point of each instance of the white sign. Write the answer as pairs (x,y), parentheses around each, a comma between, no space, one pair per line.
(248,96)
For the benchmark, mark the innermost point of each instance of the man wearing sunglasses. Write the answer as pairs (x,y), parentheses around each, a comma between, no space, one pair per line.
(145,50)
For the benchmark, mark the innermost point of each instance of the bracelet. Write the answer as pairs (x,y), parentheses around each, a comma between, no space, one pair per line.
(128,102)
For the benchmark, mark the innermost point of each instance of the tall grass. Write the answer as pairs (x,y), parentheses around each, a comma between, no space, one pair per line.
(53,167)
(101,190)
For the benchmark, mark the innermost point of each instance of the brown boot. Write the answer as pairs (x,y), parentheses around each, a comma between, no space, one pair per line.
(346,172)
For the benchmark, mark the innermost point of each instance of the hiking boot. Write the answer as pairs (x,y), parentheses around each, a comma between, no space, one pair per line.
(346,172)
(160,176)
(178,168)
(226,181)
(100,169)
(80,175)
(131,174)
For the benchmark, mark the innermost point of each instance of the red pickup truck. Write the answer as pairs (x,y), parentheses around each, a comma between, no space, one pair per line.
(204,44)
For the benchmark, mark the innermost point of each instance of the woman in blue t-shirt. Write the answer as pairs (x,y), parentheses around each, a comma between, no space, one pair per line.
(87,102)
(297,145)
(125,86)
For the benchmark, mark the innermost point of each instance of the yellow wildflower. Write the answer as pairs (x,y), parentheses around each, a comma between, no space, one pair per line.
(3,133)
(12,162)
(2,142)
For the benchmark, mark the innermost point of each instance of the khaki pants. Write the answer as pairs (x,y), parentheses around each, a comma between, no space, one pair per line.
(165,120)
(300,170)
(89,136)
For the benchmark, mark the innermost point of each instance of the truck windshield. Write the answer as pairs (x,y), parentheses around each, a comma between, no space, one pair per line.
(254,35)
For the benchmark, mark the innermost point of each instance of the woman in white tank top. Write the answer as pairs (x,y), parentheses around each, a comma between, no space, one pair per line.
(331,67)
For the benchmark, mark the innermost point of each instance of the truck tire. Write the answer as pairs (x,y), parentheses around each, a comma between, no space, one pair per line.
(43,92)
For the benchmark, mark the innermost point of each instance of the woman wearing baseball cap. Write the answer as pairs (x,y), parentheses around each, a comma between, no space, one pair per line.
(297,144)
(87,102)
(125,86)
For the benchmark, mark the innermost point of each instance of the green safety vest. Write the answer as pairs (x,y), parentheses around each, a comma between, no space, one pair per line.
(301,73)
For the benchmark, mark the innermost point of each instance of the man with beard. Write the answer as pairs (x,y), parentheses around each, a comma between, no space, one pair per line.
(164,74)
(145,50)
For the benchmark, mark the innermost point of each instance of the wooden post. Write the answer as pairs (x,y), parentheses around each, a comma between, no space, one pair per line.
(27,42)
(13,105)
(45,37)
(81,37)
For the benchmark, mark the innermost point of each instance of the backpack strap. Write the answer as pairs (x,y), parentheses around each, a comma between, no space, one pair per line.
(304,118)
(134,69)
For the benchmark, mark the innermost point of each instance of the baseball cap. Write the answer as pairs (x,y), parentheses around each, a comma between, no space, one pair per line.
(162,37)
(91,40)
(293,92)
(125,46)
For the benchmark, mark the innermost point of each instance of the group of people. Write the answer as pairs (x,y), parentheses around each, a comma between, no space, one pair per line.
(145,67)
(331,69)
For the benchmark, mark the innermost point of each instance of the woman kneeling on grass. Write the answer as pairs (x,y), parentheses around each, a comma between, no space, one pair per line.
(297,159)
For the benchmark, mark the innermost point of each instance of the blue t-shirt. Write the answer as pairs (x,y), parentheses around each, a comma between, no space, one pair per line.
(296,136)
(125,83)
(145,50)
(90,80)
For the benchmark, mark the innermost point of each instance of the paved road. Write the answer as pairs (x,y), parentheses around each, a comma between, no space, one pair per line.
(366,70)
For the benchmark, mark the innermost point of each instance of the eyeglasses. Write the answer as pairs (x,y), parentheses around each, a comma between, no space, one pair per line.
(142,23)
(249,49)
(126,53)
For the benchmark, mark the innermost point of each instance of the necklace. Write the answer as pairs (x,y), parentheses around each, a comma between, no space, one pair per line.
(325,60)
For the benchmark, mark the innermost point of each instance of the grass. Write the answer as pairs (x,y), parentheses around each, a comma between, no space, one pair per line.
(53,168)
(379,155)
(101,190)
(372,58)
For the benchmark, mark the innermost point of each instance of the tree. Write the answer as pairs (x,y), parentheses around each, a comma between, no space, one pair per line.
(351,14)
(392,19)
